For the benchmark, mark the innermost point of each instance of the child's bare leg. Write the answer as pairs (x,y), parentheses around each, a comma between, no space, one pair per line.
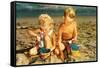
(68,50)
(62,56)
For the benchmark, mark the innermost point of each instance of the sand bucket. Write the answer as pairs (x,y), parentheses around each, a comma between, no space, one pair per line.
(74,47)
(75,50)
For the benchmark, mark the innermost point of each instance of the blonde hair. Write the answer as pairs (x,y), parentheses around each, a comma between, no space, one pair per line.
(45,20)
(70,12)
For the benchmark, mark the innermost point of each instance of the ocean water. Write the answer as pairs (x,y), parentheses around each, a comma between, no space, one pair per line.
(34,10)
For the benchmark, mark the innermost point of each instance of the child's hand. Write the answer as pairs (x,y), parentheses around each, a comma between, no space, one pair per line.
(45,32)
(70,42)
(61,46)
(32,33)
(74,39)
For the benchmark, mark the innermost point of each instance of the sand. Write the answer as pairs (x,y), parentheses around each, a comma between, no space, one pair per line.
(86,39)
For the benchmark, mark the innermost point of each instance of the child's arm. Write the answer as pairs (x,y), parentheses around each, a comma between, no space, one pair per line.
(48,42)
(75,33)
(34,32)
(60,44)
(59,35)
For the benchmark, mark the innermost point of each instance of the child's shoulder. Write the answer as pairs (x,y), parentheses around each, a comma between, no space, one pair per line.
(61,25)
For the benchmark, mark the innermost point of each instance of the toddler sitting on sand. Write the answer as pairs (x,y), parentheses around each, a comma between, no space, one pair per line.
(67,33)
(45,35)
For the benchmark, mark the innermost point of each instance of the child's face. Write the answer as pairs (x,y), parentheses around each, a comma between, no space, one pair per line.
(45,22)
(46,26)
(69,17)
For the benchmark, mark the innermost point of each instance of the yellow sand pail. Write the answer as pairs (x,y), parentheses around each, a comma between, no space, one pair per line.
(76,53)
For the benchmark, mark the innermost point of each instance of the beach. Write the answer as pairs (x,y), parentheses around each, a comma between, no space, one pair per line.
(86,38)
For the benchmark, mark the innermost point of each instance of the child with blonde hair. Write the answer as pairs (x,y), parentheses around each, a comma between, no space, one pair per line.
(67,33)
(45,35)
